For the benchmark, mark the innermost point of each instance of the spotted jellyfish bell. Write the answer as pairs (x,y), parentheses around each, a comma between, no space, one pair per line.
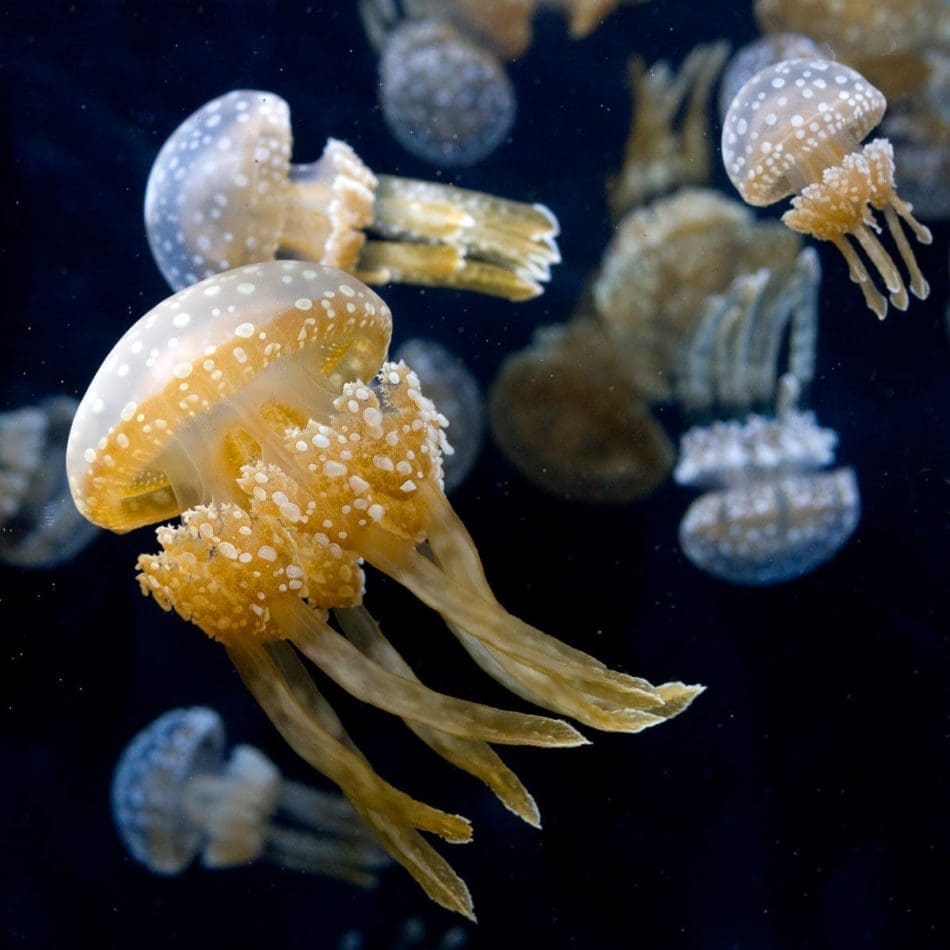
(795,128)
(445,99)
(772,515)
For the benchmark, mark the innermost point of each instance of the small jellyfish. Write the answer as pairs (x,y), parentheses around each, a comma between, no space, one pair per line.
(668,141)
(175,796)
(795,128)
(39,524)
(756,56)
(919,130)
(567,417)
(504,26)
(451,386)
(223,193)
(445,99)
(773,515)
(699,298)
(247,405)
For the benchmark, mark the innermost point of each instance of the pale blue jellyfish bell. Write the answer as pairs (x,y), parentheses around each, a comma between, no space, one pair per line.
(772,515)
(176,796)
(223,193)
(39,524)
(449,383)
(446,99)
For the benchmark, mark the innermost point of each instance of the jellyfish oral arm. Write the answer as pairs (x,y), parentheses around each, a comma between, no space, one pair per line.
(407,698)
(475,757)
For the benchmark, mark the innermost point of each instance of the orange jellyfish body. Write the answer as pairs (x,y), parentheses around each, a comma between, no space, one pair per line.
(796,127)
(244,403)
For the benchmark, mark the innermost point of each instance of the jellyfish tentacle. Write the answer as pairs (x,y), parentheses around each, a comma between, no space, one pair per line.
(918,284)
(860,276)
(349,861)
(454,548)
(368,681)
(472,756)
(404,844)
(326,754)
(440,265)
(884,265)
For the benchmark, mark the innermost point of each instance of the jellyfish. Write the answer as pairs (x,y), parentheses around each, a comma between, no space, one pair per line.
(772,514)
(569,419)
(445,99)
(756,56)
(795,128)
(222,193)
(919,130)
(661,152)
(39,525)
(175,796)
(246,405)
(701,301)
(504,26)
(452,387)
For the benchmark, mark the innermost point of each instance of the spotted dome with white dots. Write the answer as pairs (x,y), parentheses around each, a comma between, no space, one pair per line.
(788,118)
(216,195)
(195,350)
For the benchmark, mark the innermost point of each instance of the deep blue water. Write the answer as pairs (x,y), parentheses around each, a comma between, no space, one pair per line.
(798,803)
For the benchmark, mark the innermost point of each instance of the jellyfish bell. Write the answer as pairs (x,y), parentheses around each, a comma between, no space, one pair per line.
(223,193)
(175,796)
(756,56)
(246,403)
(568,419)
(772,514)
(795,128)
(455,391)
(39,525)
(444,98)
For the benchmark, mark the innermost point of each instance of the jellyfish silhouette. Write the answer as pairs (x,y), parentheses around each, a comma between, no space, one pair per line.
(245,404)
(772,515)
(445,99)
(451,386)
(176,795)
(39,524)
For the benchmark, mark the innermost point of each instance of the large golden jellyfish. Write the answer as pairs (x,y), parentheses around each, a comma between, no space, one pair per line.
(245,405)
(796,128)
(223,193)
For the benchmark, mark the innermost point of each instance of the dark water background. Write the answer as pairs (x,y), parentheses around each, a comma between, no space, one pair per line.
(798,803)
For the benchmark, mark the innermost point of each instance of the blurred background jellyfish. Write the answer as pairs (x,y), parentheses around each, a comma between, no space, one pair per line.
(223,193)
(504,26)
(919,129)
(695,305)
(568,418)
(772,514)
(176,795)
(39,524)
(668,141)
(451,385)
(795,128)
(700,299)
(445,99)
(885,40)
(755,56)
